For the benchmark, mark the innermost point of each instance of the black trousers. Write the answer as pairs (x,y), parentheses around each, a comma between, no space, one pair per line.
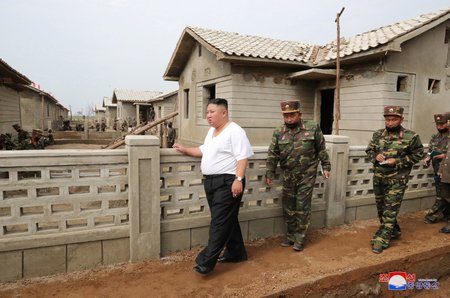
(224,230)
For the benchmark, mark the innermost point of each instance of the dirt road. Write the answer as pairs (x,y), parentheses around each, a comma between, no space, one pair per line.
(332,258)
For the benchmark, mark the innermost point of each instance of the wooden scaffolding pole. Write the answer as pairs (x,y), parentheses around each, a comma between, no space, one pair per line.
(140,129)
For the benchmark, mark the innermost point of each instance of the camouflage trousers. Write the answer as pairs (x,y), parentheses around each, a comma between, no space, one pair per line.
(296,197)
(388,197)
(439,208)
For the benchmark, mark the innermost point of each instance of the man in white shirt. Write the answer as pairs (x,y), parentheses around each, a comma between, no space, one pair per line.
(224,154)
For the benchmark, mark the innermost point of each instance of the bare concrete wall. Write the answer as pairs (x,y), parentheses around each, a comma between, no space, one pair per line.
(9,109)
(422,58)
(200,69)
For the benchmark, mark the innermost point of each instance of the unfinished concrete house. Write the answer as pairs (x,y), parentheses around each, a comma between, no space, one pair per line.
(406,63)
(165,104)
(110,111)
(100,113)
(131,104)
(11,83)
(22,102)
(40,109)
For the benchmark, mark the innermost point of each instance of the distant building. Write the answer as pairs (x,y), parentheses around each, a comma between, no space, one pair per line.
(110,111)
(24,103)
(131,103)
(100,113)
(405,64)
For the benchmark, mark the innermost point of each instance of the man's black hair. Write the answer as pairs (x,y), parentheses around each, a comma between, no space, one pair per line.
(219,101)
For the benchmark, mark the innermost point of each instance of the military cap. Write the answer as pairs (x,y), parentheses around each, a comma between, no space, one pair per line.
(393,111)
(447,116)
(16,126)
(440,118)
(290,106)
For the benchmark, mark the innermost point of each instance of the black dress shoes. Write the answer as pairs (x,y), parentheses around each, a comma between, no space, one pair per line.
(202,269)
(229,260)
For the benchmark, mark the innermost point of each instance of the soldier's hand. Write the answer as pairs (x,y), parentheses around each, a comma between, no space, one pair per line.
(326,174)
(440,156)
(426,162)
(269,182)
(380,157)
(391,162)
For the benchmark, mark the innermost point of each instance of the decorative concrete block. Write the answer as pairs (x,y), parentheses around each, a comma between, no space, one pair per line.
(11,265)
(260,228)
(83,256)
(199,236)
(366,212)
(116,251)
(176,240)
(44,261)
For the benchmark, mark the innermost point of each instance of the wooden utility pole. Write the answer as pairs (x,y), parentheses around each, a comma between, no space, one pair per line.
(337,95)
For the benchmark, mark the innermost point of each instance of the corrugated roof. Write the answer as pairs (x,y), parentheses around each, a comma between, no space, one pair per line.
(235,44)
(374,38)
(133,95)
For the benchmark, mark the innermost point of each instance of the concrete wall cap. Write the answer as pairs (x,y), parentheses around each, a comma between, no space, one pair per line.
(141,140)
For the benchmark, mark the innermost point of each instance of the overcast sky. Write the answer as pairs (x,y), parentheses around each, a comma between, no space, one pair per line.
(80,50)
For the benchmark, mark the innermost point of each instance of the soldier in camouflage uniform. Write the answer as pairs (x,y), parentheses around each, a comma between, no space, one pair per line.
(436,152)
(444,175)
(393,151)
(23,138)
(37,141)
(298,145)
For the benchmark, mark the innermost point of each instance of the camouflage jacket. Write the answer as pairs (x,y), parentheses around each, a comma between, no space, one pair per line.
(405,146)
(438,143)
(23,135)
(298,149)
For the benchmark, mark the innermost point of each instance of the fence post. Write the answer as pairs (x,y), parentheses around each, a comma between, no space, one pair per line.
(144,197)
(336,186)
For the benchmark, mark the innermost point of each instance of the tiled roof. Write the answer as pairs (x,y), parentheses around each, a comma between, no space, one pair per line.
(99,108)
(7,71)
(134,95)
(235,44)
(228,45)
(164,95)
(374,38)
(107,102)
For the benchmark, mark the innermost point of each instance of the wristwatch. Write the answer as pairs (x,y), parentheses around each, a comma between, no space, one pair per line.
(238,178)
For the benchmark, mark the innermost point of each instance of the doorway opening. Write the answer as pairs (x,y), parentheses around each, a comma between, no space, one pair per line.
(326,111)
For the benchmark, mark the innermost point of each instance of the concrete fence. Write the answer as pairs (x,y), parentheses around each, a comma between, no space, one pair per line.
(68,210)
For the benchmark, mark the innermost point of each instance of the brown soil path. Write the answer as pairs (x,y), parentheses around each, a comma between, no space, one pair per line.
(342,251)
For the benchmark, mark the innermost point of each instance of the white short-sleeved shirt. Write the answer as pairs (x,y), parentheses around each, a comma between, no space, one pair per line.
(221,153)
